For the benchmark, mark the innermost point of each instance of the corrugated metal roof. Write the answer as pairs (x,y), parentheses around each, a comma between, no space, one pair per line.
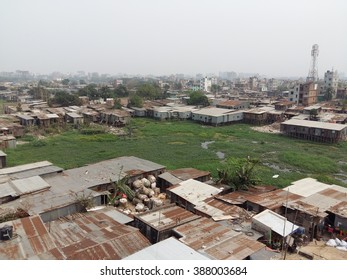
(193,191)
(217,208)
(168,249)
(189,173)
(308,186)
(215,112)
(315,124)
(167,176)
(30,240)
(74,115)
(276,222)
(217,241)
(270,200)
(322,202)
(340,209)
(167,217)
(88,236)
(238,247)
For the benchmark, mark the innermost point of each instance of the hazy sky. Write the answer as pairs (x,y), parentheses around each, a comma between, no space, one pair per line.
(270,37)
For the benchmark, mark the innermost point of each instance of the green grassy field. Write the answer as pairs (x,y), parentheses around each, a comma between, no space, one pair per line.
(177,144)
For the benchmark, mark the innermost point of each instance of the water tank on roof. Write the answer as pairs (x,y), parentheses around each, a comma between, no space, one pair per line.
(6,233)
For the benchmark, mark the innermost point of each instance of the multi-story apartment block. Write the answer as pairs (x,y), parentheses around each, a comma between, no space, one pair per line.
(331,81)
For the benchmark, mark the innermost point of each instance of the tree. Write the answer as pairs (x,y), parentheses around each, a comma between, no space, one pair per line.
(329,94)
(149,91)
(135,101)
(120,188)
(105,92)
(121,91)
(19,107)
(65,82)
(238,173)
(90,91)
(39,92)
(215,88)
(198,98)
(117,104)
(65,99)
(313,115)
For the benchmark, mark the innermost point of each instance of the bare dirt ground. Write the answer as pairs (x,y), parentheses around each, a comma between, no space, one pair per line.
(272,128)
(319,251)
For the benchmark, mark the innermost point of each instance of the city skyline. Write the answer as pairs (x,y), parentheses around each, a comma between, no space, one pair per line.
(271,38)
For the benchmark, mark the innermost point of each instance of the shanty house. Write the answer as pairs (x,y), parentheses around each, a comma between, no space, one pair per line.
(157,224)
(173,177)
(273,226)
(314,130)
(217,116)
(233,104)
(82,236)
(26,120)
(257,116)
(216,241)
(191,193)
(74,118)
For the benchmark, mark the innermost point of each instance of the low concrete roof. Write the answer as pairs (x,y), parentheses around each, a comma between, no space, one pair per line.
(276,222)
(168,249)
(194,191)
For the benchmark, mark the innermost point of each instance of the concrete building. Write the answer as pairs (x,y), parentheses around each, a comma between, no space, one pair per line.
(331,80)
(308,93)
(205,84)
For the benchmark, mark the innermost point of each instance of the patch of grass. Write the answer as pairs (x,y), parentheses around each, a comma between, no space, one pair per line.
(162,142)
(308,162)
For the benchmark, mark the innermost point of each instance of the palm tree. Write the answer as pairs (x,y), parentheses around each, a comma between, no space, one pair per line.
(120,188)
(239,173)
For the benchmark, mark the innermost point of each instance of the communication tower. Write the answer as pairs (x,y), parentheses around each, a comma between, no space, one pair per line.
(313,72)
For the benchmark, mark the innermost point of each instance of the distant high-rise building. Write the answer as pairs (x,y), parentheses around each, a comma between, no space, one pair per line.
(313,72)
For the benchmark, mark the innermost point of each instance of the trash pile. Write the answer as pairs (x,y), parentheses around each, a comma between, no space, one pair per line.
(337,243)
(147,196)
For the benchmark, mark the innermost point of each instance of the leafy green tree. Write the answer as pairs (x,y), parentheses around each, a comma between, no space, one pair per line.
(238,173)
(65,99)
(39,92)
(117,104)
(136,101)
(313,114)
(149,91)
(215,88)
(329,94)
(65,82)
(90,91)
(105,92)
(121,91)
(120,188)
(198,98)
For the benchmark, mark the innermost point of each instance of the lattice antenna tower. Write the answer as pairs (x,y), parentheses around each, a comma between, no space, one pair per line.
(313,72)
